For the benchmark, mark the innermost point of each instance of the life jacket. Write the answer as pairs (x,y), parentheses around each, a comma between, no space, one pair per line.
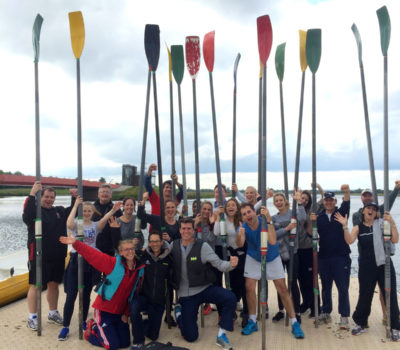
(111,282)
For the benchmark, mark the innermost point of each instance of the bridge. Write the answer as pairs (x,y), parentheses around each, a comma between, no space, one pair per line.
(90,188)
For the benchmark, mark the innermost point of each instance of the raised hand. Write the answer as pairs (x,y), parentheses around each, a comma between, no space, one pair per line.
(112,221)
(152,168)
(67,240)
(116,207)
(37,186)
(341,219)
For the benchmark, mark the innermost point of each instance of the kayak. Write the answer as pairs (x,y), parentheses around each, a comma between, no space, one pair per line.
(14,288)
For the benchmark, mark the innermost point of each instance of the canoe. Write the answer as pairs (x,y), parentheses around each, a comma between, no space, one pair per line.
(13,288)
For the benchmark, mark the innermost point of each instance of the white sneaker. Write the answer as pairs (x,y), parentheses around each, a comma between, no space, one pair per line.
(344,323)
(32,323)
(55,318)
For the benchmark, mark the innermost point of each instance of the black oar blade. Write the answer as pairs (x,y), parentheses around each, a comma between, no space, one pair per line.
(385,28)
(235,67)
(313,49)
(152,45)
(358,40)
(178,62)
(280,61)
(37,26)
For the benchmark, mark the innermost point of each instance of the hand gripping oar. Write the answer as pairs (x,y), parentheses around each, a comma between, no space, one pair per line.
(264,31)
(178,67)
(385,29)
(235,67)
(313,54)
(77,29)
(208,54)
(365,104)
(293,232)
(171,112)
(193,64)
(37,25)
(280,70)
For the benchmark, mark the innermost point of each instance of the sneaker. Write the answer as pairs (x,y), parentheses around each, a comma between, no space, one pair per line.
(63,334)
(250,328)
(278,316)
(324,318)
(357,330)
(344,323)
(207,309)
(177,311)
(89,325)
(223,342)
(297,331)
(138,346)
(395,335)
(32,323)
(55,318)
(239,306)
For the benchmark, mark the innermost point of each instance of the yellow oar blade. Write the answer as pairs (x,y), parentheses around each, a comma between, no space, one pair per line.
(169,63)
(77,29)
(303,58)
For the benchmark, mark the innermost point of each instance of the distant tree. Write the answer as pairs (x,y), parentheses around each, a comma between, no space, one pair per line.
(18,173)
(102,179)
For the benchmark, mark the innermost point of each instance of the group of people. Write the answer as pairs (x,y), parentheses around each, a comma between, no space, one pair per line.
(184,255)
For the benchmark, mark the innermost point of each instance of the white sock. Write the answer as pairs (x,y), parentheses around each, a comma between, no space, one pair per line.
(253,318)
(221,331)
(34,315)
(294,320)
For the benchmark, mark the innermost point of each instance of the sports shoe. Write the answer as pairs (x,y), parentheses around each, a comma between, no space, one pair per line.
(357,330)
(344,323)
(63,334)
(297,331)
(207,309)
(395,335)
(324,318)
(55,318)
(89,325)
(138,346)
(177,311)
(250,327)
(278,316)
(32,323)
(223,342)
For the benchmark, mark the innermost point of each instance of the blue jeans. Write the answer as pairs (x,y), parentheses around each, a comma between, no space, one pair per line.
(336,269)
(222,297)
(151,326)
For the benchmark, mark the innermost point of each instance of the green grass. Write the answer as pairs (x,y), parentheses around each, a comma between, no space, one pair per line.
(24,191)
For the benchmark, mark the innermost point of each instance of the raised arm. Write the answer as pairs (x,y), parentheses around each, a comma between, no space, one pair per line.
(103,221)
(71,217)
(147,182)
(241,236)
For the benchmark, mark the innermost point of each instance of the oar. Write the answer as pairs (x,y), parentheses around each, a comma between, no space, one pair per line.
(293,232)
(178,67)
(264,31)
(260,126)
(235,67)
(77,29)
(37,25)
(280,70)
(313,54)
(193,64)
(152,48)
(208,54)
(171,112)
(365,104)
(385,29)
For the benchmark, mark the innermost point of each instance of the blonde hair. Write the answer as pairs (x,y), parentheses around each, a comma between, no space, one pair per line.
(90,204)
(287,204)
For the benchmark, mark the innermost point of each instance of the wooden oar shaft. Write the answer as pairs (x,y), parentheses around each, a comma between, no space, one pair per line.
(182,149)
(158,142)
(171,109)
(196,146)
(144,145)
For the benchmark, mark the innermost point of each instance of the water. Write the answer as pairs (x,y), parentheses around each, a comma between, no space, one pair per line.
(13,232)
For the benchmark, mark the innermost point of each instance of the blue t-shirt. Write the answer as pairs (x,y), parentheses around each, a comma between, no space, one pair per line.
(253,239)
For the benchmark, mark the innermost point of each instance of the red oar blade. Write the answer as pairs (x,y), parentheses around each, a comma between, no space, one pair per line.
(192,49)
(208,50)
(264,31)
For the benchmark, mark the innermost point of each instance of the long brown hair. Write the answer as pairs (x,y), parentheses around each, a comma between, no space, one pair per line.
(236,217)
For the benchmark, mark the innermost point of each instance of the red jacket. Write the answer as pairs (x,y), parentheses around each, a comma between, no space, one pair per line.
(105,263)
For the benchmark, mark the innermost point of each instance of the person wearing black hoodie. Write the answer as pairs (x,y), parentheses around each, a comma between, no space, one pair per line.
(152,296)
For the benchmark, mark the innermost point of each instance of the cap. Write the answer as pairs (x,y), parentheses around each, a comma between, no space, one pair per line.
(329,195)
(367,190)
(371,204)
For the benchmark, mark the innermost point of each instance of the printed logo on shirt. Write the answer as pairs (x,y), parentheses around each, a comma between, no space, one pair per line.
(193,258)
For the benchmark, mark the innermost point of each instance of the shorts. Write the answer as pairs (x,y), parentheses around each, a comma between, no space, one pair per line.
(52,271)
(252,269)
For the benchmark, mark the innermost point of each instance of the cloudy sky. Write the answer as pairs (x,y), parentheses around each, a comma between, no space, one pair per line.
(114,74)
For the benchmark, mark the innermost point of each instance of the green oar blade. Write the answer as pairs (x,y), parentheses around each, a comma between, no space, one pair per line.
(77,30)
(384,27)
(313,49)
(359,45)
(178,62)
(280,61)
(37,26)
